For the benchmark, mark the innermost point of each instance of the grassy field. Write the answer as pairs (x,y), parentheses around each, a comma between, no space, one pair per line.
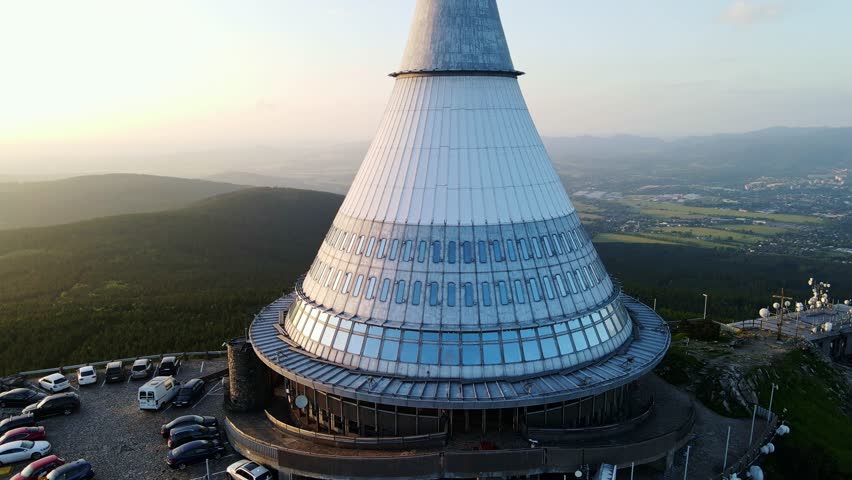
(624,238)
(677,210)
(764,230)
(714,234)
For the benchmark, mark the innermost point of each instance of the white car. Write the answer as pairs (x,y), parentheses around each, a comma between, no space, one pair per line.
(22,450)
(87,375)
(55,382)
(248,470)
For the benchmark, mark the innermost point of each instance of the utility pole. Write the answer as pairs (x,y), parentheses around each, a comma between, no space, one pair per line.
(783,302)
(772,396)
(727,444)
(686,462)
(705,305)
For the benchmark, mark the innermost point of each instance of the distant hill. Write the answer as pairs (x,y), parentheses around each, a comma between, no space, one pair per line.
(152,282)
(35,204)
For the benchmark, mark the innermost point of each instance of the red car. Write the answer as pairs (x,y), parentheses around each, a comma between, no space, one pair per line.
(23,433)
(40,468)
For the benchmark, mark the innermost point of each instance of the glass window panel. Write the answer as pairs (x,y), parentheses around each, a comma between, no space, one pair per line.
(340,340)
(429,354)
(519,291)
(371,288)
(360,245)
(467,252)
(586,319)
(557,244)
(528,333)
(510,250)
(317,333)
(406,251)
(470,337)
(602,332)
(351,243)
(430,336)
(393,249)
(451,294)
(328,336)
(309,325)
(385,289)
(579,340)
(512,352)
(483,252)
(490,337)
(497,251)
(468,294)
(449,354)
(301,323)
(573,285)
(525,249)
(547,249)
(534,290)
(577,237)
(391,333)
(503,292)
(408,353)
(400,291)
(589,277)
(411,335)
(565,242)
(380,253)
(371,348)
(359,328)
(433,293)
(436,251)
(337,280)
(574,323)
(346,324)
(491,352)
(592,337)
(389,349)
(580,280)
(610,327)
(565,344)
(358,282)
(330,276)
(536,247)
(342,241)
(415,293)
(347,282)
(548,348)
(560,284)
(375,331)
(486,294)
(355,344)
(449,337)
(510,335)
(548,287)
(370,245)
(545,331)
(531,351)
(560,327)
(421,251)
(451,252)
(471,355)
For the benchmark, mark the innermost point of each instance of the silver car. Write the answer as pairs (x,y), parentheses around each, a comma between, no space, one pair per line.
(142,368)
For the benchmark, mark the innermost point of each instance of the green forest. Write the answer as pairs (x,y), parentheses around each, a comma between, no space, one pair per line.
(188,279)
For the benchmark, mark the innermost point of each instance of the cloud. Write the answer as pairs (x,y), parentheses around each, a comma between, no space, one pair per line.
(744,13)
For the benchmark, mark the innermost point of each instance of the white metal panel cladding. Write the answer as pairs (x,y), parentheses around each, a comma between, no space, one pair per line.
(456,150)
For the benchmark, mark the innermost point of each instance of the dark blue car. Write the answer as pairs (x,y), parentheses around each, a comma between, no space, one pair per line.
(78,470)
(195,452)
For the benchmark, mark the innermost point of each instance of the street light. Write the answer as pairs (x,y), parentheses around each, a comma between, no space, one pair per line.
(764,313)
(772,395)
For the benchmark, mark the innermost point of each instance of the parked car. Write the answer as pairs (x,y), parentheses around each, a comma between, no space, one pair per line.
(23,433)
(188,420)
(22,451)
(157,392)
(20,397)
(194,452)
(142,368)
(87,375)
(13,422)
(76,470)
(189,393)
(61,403)
(55,382)
(40,468)
(179,436)
(114,372)
(168,366)
(248,470)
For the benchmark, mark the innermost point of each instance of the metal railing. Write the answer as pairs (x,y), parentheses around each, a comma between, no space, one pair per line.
(64,368)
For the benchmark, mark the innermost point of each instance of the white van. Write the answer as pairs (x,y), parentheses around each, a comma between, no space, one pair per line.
(157,392)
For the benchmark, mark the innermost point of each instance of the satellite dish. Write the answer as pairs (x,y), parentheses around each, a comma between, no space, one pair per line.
(755,472)
(578,474)
(764,312)
(776,305)
(301,401)
(787,303)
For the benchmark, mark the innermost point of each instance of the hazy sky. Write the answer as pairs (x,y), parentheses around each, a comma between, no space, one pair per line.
(110,77)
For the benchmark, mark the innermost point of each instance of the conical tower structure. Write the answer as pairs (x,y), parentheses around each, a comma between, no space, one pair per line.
(456,278)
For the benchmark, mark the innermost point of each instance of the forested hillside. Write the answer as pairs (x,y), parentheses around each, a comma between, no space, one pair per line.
(36,204)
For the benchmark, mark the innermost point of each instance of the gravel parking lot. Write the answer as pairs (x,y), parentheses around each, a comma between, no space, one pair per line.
(123,442)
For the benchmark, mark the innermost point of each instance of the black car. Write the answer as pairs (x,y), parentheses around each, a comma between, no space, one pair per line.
(188,420)
(25,420)
(168,366)
(20,397)
(194,452)
(59,404)
(189,392)
(179,436)
(77,470)
(114,372)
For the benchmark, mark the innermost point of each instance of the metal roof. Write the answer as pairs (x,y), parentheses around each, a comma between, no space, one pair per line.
(635,359)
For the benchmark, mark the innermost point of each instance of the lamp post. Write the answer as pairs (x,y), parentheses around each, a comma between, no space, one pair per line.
(705,305)
(764,313)
(772,395)
(799,308)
